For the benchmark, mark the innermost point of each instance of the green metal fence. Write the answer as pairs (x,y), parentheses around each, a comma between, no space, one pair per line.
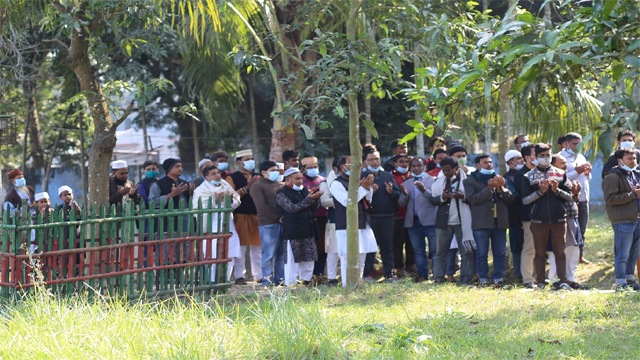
(124,250)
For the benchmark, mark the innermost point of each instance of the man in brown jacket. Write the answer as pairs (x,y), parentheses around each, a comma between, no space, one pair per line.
(488,196)
(621,188)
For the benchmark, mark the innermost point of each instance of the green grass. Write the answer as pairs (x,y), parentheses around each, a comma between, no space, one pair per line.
(392,321)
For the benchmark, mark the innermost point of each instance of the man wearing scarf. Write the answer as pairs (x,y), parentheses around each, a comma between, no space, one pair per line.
(19,192)
(120,187)
(297,205)
(488,197)
(214,188)
(311,180)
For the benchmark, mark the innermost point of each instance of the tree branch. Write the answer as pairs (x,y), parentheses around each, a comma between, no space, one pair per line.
(56,41)
(127,111)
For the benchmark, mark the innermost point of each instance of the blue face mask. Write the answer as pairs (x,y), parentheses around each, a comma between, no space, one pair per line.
(348,172)
(487,172)
(402,170)
(274,175)
(249,165)
(374,169)
(312,173)
(223,166)
(519,166)
(151,174)
(417,175)
(438,165)
(21,182)
(571,152)
(214,183)
(297,188)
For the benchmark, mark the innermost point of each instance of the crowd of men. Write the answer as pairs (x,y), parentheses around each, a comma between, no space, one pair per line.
(425,217)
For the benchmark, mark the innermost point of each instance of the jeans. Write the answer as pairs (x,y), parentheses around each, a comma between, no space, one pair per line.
(452,261)
(444,237)
(498,248)
(417,233)
(383,230)
(402,246)
(273,251)
(627,249)
(516,240)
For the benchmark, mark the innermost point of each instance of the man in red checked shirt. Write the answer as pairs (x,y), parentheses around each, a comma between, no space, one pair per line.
(401,243)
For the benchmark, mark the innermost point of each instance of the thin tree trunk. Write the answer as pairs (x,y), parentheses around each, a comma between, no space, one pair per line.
(252,115)
(143,119)
(196,145)
(47,173)
(83,156)
(25,144)
(353,267)
(367,111)
(506,114)
(418,117)
(35,138)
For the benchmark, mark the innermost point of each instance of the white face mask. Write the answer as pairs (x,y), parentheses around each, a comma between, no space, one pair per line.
(627,144)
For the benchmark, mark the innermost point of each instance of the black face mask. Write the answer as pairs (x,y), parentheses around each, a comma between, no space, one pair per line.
(120,182)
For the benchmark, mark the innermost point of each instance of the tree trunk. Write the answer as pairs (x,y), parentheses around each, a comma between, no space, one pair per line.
(418,117)
(47,172)
(506,115)
(83,156)
(35,139)
(104,134)
(353,267)
(143,120)
(196,145)
(252,114)
(367,111)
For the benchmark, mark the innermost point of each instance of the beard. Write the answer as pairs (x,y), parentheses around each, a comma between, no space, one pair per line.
(23,191)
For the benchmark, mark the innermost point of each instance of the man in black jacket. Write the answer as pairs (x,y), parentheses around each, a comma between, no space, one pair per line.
(528,249)
(546,189)
(299,226)
(626,139)
(515,162)
(383,208)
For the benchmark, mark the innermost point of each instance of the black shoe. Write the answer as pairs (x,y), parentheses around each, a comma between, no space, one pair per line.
(241,281)
(438,281)
(541,286)
(499,285)
(634,285)
(528,285)
(484,284)
(306,283)
(558,285)
(333,282)
(578,286)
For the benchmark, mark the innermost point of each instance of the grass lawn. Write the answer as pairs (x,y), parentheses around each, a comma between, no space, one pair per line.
(393,321)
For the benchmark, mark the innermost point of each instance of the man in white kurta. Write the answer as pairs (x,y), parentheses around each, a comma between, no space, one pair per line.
(214,188)
(366,239)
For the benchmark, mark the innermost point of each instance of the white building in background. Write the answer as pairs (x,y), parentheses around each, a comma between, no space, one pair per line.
(130,145)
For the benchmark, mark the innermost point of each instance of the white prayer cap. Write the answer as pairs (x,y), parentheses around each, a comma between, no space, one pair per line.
(291,171)
(42,195)
(511,154)
(118,164)
(63,189)
(202,162)
(280,166)
(243,153)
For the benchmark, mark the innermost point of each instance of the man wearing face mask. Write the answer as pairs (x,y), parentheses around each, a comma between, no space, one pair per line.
(438,155)
(488,197)
(150,168)
(626,139)
(311,179)
(401,240)
(202,164)
(528,248)
(339,191)
(621,187)
(452,218)
(245,216)
(515,162)
(546,188)
(19,192)
(297,205)
(459,154)
(291,159)
(215,189)
(383,208)
(220,159)
(578,169)
(420,219)
(521,141)
(263,193)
